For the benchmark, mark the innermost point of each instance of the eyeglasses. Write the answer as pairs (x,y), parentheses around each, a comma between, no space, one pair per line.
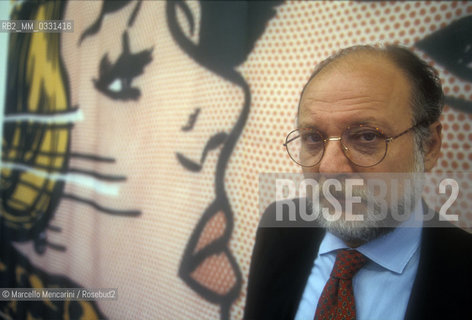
(364,146)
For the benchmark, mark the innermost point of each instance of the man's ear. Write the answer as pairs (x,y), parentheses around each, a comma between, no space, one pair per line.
(432,148)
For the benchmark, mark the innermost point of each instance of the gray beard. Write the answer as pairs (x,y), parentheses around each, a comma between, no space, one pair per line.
(371,227)
(359,232)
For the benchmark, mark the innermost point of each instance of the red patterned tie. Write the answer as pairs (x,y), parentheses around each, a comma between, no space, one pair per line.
(337,299)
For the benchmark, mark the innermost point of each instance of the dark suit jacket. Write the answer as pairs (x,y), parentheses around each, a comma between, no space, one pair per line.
(283,258)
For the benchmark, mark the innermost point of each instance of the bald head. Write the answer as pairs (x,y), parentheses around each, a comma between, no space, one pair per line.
(353,83)
(425,92)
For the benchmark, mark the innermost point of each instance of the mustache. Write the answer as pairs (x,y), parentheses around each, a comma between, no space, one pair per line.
(321,191)
(366,190)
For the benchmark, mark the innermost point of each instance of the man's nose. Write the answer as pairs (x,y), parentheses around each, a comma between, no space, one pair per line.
(334,160)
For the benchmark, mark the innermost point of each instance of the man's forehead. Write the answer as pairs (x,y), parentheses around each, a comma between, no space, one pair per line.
(364,84)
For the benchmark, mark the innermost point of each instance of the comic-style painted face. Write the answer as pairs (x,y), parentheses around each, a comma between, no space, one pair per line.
(153,125)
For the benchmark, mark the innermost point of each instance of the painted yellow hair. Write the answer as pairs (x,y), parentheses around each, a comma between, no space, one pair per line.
(37,85)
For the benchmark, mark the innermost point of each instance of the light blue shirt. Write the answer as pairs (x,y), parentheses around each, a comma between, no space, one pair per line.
(382,287)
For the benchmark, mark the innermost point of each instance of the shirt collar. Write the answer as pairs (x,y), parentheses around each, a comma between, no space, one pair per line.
(393,250)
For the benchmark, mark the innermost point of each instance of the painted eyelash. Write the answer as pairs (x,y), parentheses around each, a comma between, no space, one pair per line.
(191,120)
(115,80)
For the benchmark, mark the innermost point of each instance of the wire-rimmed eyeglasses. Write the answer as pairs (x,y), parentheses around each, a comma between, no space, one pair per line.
(364,146)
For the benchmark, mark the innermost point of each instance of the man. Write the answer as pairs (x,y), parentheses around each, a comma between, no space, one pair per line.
(370,94)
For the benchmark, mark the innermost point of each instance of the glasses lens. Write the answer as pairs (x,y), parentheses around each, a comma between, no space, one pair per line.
(305,147)
(364,146)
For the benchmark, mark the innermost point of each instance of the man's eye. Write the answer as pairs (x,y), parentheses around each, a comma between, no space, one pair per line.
(365,137)
(369,136)
(115,80)
(312,138)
